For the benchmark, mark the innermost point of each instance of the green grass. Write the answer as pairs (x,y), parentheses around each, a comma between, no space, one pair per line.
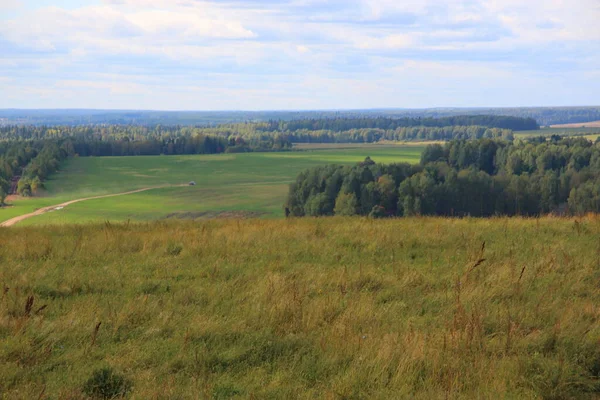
(252,182)
(330,308)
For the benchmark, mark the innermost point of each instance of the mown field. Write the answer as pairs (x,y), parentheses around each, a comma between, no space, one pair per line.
(590,132)
(252,184)
(333,308)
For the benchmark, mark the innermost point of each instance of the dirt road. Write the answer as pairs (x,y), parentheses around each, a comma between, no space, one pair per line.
(44,210)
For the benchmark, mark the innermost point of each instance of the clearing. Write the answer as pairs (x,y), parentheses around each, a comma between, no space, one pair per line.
(247,184)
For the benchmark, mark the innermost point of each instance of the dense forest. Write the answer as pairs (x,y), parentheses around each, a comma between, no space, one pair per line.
(543,115)
(482,177)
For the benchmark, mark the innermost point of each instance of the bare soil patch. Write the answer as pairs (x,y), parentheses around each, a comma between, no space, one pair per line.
(13,197)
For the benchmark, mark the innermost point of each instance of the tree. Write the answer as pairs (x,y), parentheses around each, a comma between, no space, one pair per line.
(346,204)
(24,187)
(369,197)
(316,205)
(585,198)
(432,153)
(35,185)
(549,186)
(367,162)
(388,193)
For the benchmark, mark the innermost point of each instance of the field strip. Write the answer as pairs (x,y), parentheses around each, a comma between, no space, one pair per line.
(590,124)
(44,210)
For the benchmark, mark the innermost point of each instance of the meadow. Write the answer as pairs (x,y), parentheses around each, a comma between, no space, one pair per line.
(589,132)
(253,184)
(331,308)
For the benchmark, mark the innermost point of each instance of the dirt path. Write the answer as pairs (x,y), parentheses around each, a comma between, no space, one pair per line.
(44,210)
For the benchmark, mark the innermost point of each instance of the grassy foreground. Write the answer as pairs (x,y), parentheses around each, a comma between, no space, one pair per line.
(310,308)
(251,183)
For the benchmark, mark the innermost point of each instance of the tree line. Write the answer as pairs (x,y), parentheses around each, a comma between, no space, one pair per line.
(480,178)
(420,133)
(258,136)
(121,140)
(345,124)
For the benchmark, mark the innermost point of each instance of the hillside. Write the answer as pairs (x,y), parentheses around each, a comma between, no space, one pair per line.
(423,308)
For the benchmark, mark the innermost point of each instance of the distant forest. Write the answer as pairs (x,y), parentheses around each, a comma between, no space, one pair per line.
(29,153)
(344,124)
(543,115)
(275,135)
(480,178)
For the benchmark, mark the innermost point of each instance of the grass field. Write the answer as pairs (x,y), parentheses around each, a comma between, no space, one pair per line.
(252,183)
(591,124)
(566,131)
(415,308)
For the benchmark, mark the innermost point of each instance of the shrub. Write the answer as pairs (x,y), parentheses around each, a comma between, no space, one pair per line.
(174,249)
(346,204)
(107,384)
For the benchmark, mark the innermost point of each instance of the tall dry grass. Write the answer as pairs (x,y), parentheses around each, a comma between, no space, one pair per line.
(332,308)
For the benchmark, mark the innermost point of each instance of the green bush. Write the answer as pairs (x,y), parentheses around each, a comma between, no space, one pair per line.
(174,249)
(106,384)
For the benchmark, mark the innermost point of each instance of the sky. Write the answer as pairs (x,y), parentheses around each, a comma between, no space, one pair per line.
(298,54)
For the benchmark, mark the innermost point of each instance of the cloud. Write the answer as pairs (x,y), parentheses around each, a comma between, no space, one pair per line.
(329,53)
(10,5)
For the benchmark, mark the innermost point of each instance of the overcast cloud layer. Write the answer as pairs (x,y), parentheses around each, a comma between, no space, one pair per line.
(298,54)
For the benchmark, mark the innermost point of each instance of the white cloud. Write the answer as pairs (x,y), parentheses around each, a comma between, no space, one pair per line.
(358,52)
(395,41)
(52,27)
(10,4)
(302,49)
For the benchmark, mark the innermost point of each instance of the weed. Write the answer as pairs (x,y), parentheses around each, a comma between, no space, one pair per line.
(107,384)
(174,249)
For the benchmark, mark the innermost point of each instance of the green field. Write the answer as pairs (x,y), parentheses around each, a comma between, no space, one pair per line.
(253,184)
(312,308)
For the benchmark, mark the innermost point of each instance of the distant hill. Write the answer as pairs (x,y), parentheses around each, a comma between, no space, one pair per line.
(544,116)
